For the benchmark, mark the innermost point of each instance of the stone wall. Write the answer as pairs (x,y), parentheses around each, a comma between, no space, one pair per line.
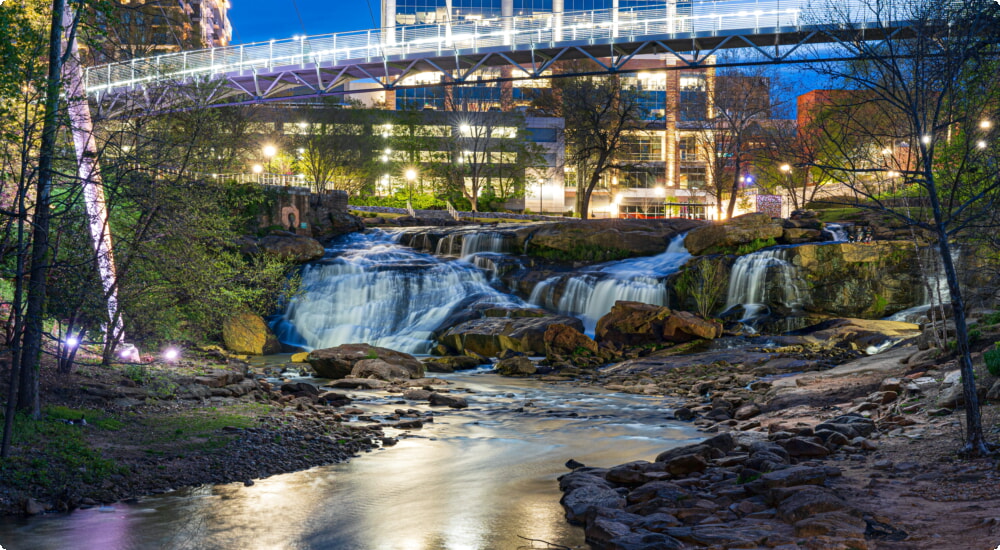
(303,212)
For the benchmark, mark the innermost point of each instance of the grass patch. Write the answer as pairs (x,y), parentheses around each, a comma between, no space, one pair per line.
(201,429)
(743,249)
(581,252)
(52,453)
(830,215)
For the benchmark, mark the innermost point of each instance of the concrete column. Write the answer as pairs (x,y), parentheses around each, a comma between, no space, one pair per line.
(557,19)
(507,12)
(614,18)
(389,21)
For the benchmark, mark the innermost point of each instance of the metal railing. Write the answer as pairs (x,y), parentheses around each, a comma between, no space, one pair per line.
(704,18)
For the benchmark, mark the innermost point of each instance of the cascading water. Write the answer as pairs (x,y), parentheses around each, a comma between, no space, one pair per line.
(489,241)
(590,295)
(935,289)
(836,232)
(376,291)
(762,278)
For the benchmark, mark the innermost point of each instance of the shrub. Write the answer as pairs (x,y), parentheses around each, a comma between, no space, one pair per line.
(992,359)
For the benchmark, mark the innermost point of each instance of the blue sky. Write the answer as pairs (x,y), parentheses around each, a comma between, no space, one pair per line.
(260,20)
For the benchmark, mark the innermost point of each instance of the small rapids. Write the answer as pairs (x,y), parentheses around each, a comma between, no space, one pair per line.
(591,294)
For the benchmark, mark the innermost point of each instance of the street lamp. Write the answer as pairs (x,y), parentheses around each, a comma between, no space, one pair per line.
(269,152)
(985,124)
(785,168)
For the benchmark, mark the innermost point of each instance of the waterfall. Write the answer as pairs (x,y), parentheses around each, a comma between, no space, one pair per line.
(934,291)
(591,294)
(836,232)
(489,241)
(376,291)
(763,278)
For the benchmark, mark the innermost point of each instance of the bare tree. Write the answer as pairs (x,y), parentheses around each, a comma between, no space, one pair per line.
(917,100)
(600,113)
(739,104)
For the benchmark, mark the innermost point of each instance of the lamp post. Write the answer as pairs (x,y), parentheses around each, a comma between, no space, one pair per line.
(269,152)
(257,169)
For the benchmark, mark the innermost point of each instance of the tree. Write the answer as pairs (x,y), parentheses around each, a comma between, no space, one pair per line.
(600,112)
(491,154)
(738,107)
(914,107)
(338,148)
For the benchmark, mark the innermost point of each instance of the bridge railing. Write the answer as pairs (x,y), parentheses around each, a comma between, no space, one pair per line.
(403,42)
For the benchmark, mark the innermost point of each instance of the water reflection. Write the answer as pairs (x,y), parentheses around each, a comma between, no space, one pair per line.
(473,479)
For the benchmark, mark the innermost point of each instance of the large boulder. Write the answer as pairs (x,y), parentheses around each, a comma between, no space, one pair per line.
(638,324)
(490,336)
(516,366)
(380,370)
(601,240)
(291,247)
(565,340)
(247,333)
(724,237)
(339,362)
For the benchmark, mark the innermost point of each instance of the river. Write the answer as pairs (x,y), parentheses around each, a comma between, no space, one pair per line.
(473,479)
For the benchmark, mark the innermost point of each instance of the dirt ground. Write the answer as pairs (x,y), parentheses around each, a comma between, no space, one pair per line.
(913,482)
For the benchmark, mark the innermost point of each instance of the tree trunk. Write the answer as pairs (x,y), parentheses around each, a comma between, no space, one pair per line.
(975,442)
(28,400)
(733,192)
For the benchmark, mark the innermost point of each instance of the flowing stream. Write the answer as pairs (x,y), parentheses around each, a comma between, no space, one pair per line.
(473,479)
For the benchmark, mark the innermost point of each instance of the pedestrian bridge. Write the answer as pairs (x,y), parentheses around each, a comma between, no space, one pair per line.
(464,51)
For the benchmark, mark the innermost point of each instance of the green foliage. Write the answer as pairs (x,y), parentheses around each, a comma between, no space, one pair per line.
(371,354)
(879,304)
(137,373)
(705,284)
(581,252)
(180,272)
(992,360)
(992,318)
(743,249)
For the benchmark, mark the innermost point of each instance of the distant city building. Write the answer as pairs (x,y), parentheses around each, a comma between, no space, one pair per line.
(140,28)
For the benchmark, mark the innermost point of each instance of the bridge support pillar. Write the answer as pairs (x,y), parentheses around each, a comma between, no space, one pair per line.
(89,172)
(558,8)
(507,12)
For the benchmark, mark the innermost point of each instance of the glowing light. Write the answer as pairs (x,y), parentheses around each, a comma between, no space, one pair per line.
(660,192)
(270,151)
(72,342)
(385,158)
(465,129)
(171,354)
(257,168)
(892,174)
(925,140)
(785,168)
(302,151)
(981,144)
(411,174)
(887,151)
(985,124)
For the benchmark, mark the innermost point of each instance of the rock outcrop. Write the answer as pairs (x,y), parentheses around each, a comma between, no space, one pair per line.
(341,362)
(601,240)
(723,237)
(637,324)
(246,333)
(287,246)
(565,340)
(490,336)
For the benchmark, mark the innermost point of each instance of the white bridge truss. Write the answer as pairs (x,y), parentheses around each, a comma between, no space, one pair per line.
(470,51)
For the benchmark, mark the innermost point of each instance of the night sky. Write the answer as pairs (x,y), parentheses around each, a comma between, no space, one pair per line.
(260,20)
